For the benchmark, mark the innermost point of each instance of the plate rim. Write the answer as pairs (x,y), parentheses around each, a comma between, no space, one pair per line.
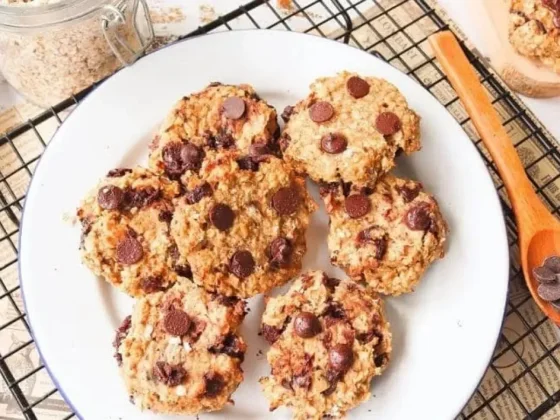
(503,229)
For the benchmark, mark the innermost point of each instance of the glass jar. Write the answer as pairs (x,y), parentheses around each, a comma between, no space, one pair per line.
(52,49)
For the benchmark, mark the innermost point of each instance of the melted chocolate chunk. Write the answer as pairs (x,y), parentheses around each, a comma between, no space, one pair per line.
(168,374)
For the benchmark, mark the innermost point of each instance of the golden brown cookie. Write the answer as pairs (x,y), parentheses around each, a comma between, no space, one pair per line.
(534,30)
(126,238)
(349,129)
(180,352)
(218,117)
(387,238)
(329,339)
(241,227)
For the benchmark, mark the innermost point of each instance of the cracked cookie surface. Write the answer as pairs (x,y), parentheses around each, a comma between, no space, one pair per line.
(241,224)
(349,129)
(534,30)
(216,118)
(126,238)
(329,339)
(387,238)
(179,352)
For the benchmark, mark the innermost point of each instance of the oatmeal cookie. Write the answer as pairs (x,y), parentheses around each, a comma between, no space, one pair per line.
(218,117)
(180,353)
(241,224)
(534,30)
(349,129)
(387,238)
(126,237)
(329,339)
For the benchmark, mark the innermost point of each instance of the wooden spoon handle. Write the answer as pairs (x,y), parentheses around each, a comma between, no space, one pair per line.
(487,122)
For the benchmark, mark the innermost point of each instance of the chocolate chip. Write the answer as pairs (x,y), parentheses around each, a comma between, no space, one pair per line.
(341,358)
(333,143)
(549,292)
(418,217)
(120,335)
(246,163)
(380,247)
(141,197)
(170,375)
(183,271)
(259,152)
(332,379)
(553,263)
(286,383)
(223,140)
(387,123)
(171,158)
(307,325)
(198,193)
(117,173)
(270,333)
(408,193)
(177,322)
(286,200)
(222,216)
(357,87)
(214,383)
(544,275)
(129,251)
(110,197)
(165,216)
(279,251)
(152,284)
(287,113)
(230,345)
(197,328)
(357,205)
(242,264)
(191,156)
(179,157)
(381,360)
(333,313)
(233,108)
(229,301)
(321,111)
(330,282)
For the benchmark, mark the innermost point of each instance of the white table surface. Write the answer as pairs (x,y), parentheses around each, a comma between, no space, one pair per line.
(547,110)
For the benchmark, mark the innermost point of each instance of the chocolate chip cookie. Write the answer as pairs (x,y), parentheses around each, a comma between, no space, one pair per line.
(329,339)
(534,30)
(349,129)
(180,352)
(387,236)
(218,117)
(126,238)
(241,224)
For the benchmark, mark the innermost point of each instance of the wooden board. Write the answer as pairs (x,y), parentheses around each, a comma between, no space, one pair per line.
(523,75)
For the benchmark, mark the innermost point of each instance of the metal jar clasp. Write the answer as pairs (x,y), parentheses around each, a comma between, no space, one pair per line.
(114,25)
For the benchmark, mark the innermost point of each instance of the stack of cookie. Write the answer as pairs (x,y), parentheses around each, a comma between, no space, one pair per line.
(221,215)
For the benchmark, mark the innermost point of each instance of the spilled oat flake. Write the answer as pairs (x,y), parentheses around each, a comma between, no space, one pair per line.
(207,13)
(167,15)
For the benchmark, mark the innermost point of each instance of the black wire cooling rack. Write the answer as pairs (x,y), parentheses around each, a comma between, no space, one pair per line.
(397,32)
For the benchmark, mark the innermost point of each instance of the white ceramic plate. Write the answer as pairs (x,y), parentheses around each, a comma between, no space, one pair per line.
(444,333)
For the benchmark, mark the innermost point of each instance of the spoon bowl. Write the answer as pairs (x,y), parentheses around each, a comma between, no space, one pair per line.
(539,230)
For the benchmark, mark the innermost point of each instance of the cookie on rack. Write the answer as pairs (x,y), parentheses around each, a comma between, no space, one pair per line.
(241,224)
(329,340)
(218,117)
(180,352)
(534,30)
(349,129)
(126,237)
(387,236)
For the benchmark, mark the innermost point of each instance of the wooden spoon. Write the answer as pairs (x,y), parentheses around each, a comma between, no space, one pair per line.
(539,230)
